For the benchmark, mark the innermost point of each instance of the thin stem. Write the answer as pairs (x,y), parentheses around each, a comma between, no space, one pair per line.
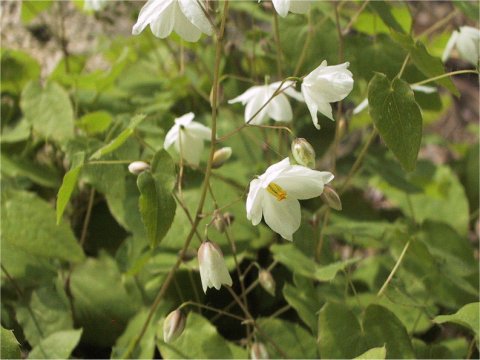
(354,18)
(273,127)
(404,65)
(471,349)
(109,162)
(280,311)
(458,72)
(219,311)
(306,45)
(168,280)
(88,215)
(318,249)
(394,270)
(358,162)
(438,24)
(276,34)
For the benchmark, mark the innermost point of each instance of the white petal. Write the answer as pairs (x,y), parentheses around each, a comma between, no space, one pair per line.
(273,171)
(468,44)
(199,131)
(254,105)
(280,109)
(309,79)
(333,84)
(162,26)
(303,183)
(247,95)
(185,119)
(184,28)
(300,6)
(195,14)
(171,137)
(312,106)
(450,44)
(149,13)
(424,89)
(287,88)
(281,6)
(191,147)
(360,107)
(283,217)
(254,202)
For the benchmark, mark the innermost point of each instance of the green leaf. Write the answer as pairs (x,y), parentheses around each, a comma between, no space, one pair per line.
(17,68)
(375,353)
(397,117)
(120,139)
(68,184)
(297,262)
(48,312)
(429,65)
(102,304)
(9,346)
(157,205)
(467,316)
(28,225)
(383,9)
(14,166)
(286,340)
(304,300)
(382,328)
(199,340)
(48,109)
(31,8)
(469,8)
(95,122)
(58,345)
(339,332)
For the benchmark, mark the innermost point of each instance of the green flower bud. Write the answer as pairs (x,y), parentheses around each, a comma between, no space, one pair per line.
(331,198)
(267,282)
(221,156)
(173,326)
(303,153)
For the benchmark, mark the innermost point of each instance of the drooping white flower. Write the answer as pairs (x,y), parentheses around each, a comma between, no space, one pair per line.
(278,108)
(185,17)
(94,5)
(275,194)
(213,270)
(325,85)
(188,137)
(295,6)
(467,41)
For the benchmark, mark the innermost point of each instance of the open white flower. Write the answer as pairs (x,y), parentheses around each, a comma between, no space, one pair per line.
(275,194)
(325,85)
(295,6)
(185,17)
(467,41)
(278,108)
(188,137)
(213,270)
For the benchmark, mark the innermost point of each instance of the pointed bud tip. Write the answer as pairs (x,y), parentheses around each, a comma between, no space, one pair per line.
(137,167)
(267,282)
(173,326)
(331,198)
(221,156)
(303,152)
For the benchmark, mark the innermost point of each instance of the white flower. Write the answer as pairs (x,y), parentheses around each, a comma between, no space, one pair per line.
(325,85)
(467,41)
(188,137)
(295,6)
(185,17)
(275,195)
(213,270)
(278,108)
(94,5)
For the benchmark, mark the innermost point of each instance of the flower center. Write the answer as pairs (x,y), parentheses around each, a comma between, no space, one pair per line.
(277,191)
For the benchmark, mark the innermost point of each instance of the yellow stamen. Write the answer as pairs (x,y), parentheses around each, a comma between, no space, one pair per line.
(277,191)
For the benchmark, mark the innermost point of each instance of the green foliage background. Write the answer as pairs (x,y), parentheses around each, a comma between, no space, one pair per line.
(81,269)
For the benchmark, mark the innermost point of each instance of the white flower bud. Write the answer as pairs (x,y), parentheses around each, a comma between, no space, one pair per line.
(221,221)
(173,326)
(303,152)
(221,156)
(213,270)
(138,167)
(259,351)
(266,280)
(331,198)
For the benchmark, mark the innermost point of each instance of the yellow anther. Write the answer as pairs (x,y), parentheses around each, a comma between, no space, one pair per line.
(277,191)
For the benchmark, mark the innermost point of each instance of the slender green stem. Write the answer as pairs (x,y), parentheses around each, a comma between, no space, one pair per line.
(354,18)
(444,76)
(306,45)
(219,311)
(319,247)
(404,65)
(109,162)
(88,215)
(394,270)
(276,34)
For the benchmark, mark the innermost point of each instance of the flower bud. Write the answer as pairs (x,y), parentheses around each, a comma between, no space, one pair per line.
(221,156)
(173,326)
(221,221)
(138,167)
(303,152)
(213,270)
(266,281)
(331,198)
(258,351)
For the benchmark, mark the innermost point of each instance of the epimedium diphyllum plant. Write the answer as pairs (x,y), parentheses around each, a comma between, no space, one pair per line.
(188,226)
